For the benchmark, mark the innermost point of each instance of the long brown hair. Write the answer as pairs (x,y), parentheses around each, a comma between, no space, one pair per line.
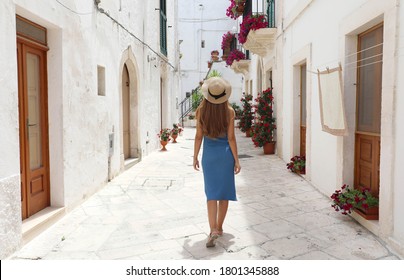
(213,118)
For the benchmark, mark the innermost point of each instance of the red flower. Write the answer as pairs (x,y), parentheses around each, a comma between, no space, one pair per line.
(234,55)
(226,40)
(251,23)
(347,198)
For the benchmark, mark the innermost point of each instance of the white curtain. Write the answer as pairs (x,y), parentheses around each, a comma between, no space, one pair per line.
(331,102)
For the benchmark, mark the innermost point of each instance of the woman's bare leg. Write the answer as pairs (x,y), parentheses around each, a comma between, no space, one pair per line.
(221,214)
(212,215)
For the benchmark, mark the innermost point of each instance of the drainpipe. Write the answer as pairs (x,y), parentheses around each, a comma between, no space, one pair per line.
(110,153)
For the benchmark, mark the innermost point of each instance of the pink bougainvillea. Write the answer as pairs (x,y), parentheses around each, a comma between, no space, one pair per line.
(251,23)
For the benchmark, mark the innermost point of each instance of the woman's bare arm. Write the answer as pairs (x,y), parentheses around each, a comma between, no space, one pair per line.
(232,141)
(197,143)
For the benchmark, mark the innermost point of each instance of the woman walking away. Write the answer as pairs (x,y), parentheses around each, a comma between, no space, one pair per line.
(215,128)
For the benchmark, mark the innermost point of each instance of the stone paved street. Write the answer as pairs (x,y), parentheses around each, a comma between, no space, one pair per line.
(156,211)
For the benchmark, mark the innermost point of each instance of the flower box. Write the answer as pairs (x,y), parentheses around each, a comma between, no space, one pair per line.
(361,201)
(371,213)
(235,55)
(261,41)
(241,66)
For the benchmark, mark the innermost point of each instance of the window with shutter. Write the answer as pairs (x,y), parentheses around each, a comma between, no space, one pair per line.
(163,27)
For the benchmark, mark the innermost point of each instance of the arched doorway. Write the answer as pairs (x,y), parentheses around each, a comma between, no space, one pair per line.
(129,110)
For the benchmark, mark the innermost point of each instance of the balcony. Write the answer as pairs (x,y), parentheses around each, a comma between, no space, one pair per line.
(241,66)
(261,41)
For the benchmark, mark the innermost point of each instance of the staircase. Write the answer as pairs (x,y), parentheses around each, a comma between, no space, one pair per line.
(190,104)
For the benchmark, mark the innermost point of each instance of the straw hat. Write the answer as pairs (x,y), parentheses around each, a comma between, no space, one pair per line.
(216,90)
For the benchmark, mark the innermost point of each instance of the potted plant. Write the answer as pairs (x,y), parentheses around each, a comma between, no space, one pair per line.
(251,23)
(297,164)
(227,38)
(214,55)
(164,137)
(262,136)
(246,115)
(237,110)
(264,125)
(177,129)
(360,200)
(234,55)
(235,9)
(214,73)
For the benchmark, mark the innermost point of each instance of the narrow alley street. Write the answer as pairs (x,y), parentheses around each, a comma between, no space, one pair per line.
(156,211)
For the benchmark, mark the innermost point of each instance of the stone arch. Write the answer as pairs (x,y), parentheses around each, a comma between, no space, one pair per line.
(128,63)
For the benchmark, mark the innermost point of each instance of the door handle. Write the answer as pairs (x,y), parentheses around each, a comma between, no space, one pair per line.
(28,125)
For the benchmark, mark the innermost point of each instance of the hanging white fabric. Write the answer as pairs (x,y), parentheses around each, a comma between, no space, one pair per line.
(332,107)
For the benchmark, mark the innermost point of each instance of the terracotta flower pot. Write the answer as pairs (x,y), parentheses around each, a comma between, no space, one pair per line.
(302,172)
(371,213)
(214,57)
(269,148)
(248,133)
(174,136)
(163,144)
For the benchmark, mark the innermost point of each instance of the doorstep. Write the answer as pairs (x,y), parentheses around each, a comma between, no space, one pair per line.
(130,162)
(40,221)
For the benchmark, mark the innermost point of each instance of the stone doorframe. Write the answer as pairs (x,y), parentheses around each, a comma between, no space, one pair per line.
(303,56)
(129,59)
(362,19)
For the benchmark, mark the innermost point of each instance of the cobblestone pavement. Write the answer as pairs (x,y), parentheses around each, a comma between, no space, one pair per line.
(156,210)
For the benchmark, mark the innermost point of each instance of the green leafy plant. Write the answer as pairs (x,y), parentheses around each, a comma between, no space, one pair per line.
(237,110)
(164,134)
(214,73)
(347,198)
(246,115)
(177,129)
(196,98)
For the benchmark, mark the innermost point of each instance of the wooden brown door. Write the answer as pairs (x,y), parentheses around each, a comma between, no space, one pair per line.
(303,111)
(33,122)
(368,123)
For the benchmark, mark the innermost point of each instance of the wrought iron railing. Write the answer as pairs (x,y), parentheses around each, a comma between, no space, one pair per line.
(190,103)
(259,7)
(235,45)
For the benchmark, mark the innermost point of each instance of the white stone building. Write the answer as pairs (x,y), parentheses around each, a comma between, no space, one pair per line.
(86,86)
(365,37)
(201,27)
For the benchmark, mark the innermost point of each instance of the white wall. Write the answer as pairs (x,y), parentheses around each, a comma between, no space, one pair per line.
(398,190)
(10,195)
(191,29)
(80,120)
(331,38)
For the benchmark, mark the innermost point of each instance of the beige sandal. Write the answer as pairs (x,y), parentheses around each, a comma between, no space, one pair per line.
(211,239)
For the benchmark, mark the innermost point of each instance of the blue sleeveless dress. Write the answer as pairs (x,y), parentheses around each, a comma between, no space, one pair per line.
(218,169)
